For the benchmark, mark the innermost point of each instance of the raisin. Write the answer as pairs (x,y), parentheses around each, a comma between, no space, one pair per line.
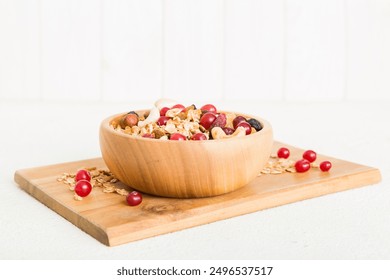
(255,124)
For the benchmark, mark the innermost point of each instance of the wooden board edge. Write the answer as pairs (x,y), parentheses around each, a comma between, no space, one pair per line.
(295,194)
(80,222)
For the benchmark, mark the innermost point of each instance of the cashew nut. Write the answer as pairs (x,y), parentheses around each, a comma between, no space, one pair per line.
(165,102)
(218,133)
(154,114)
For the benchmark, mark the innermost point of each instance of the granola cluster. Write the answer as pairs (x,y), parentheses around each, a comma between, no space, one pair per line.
(186,123)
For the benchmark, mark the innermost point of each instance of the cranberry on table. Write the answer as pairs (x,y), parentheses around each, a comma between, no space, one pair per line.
(310,155)
(163,111)
(134,198)
(238,120)
(83,174)
(199,136)
(283,152)
(325,165)
(247,126)
(209,108)
(207,119)
(162,120)
(83,188)
(302,165)
(178,137)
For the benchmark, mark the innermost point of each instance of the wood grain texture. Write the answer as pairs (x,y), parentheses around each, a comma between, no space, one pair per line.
(107,218)
(185,169)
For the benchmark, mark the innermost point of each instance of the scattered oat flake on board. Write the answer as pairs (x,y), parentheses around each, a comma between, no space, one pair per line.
(121,191)
(276,166)
(99,178)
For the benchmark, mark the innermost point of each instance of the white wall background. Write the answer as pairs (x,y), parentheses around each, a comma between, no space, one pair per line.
(112,50)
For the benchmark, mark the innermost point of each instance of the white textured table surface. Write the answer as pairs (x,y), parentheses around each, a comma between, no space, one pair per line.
(350,225)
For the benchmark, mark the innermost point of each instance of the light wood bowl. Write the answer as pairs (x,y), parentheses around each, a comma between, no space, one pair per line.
(185,169)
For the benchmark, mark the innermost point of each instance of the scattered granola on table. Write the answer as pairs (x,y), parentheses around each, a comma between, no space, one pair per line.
(101,178)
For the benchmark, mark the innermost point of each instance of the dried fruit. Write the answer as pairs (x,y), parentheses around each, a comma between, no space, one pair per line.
(168,117)
(325,165)
(220,121)
(199,136)
(178,137)
(247,126)
(83,188)
(209,108)
(163,120)
(82,174)
(134,198)
(302,165)
(207,119)
(237,120)
(283,153)
(163,111)
(310,155)
(178,106)
(228,130)
(148,135)
(255,124)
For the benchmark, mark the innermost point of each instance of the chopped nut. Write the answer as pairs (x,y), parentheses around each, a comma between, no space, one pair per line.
(158,133)
(173,112)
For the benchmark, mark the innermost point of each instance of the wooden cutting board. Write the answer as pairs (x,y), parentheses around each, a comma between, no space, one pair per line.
(108,218)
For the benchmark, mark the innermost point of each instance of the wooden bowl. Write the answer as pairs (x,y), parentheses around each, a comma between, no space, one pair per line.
(185,169)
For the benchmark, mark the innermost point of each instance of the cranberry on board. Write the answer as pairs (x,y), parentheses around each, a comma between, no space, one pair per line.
(199,136)
(209,108)
(134,198)
(283,152)
(207,119)
(83,174)
(83,188)
(302,165)
(310,155)
(247,126)
(325,165)
(237,120)
(178,137)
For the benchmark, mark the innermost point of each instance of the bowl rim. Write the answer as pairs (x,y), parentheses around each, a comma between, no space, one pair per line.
(105,124)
